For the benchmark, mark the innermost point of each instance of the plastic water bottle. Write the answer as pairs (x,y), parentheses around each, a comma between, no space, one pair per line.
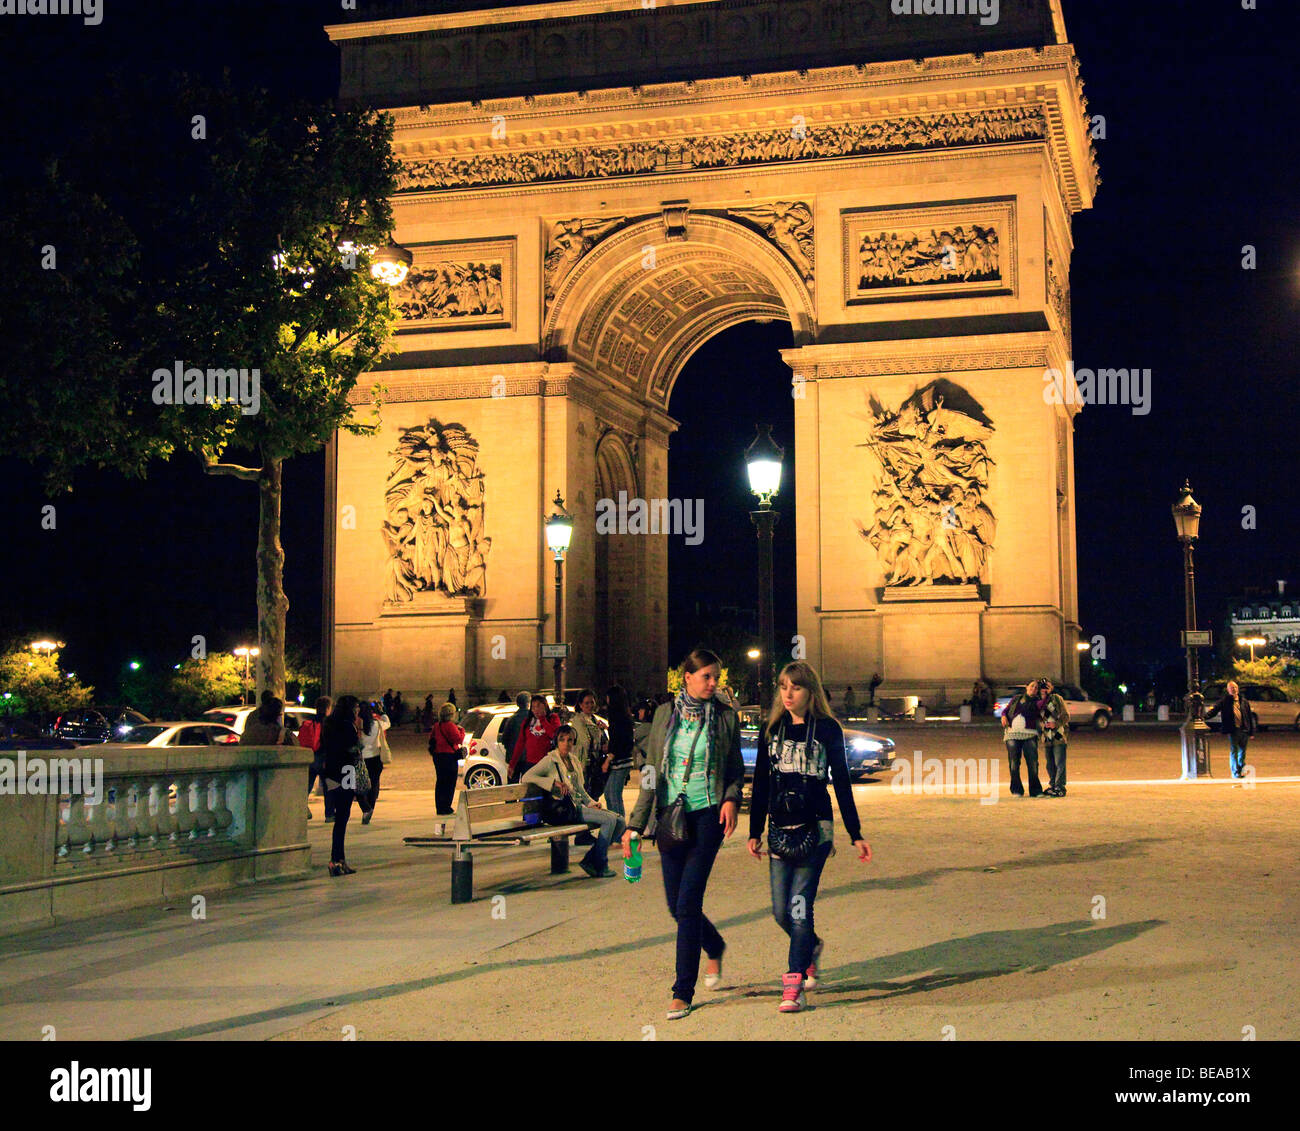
(632,865)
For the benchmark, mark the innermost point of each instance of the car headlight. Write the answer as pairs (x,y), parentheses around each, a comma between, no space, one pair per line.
(866,746)
(123,730)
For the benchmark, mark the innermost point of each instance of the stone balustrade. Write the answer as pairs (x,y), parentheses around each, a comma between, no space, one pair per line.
(147,824)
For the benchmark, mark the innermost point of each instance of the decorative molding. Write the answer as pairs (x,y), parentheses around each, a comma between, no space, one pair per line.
(1058,293)
(675,213)
(953,129)
(822,370)
(459,286)
(789,225)
(940,250)
(569,242)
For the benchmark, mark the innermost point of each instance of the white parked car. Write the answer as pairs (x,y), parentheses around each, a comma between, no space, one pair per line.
(1084,712)
(178,734)
(237,717)
(484,761)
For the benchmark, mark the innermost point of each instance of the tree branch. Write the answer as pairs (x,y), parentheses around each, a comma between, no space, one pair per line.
(211,467)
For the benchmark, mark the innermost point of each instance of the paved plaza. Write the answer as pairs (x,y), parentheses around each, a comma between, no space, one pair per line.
(1126,911)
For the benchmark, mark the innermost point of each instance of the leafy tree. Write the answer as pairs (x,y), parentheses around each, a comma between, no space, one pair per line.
(197,685)
(1270,671)
(675,679)
(32,683)
(223,233)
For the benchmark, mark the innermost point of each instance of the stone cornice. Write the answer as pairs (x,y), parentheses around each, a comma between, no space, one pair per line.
(936,355)
(469,382)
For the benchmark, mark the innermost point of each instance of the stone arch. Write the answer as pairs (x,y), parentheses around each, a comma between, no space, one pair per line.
(640,303)
(618,567)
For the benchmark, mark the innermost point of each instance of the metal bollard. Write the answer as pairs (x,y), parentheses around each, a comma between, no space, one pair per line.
(462,876)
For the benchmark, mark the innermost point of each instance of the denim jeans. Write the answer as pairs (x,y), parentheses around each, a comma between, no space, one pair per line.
(1237,752)
(794,887)
(686,874)
(614,790)
(1028,749)
(1055,755)
(609,828)
(340,803)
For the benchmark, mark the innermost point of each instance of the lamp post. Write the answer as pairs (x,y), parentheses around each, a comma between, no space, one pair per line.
(248,654)
(559,532)
(1252,642)
(763,459)
(1194,731)
(755,655)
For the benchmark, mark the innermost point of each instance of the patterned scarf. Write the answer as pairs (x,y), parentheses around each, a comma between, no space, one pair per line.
(688,707)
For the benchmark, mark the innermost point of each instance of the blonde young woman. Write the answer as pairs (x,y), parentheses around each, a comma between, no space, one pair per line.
(801,746)
(693,751)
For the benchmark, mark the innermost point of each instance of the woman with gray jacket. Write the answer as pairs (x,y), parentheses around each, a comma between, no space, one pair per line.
(693,753)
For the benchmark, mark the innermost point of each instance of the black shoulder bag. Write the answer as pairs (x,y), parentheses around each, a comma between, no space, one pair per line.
(561,810)
(671,829)
(792,834)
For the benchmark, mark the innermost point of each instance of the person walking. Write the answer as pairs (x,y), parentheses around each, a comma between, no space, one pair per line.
(511,727)
(451,696)
(559,773)
(398,712)
(618,762)
(1237,722)
(1020,733)
(850,702)
(444,747)
(592,743)
(374,743)
(802,746)
(695,770)
(427,715)
(535,736)
(309,736)
(388,702)
(1055,729)
(341,751)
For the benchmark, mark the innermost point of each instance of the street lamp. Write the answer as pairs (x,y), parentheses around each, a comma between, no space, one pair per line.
(1252,642)
(390,264)
(559,532)
(46,645)
(1194,731)
(763,460)
(248,654)
(755,655)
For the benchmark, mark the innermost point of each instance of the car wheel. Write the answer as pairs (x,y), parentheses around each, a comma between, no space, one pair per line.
(481,777)
(1101,720)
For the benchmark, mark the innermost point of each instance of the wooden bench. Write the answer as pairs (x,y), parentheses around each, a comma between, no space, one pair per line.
(504,815)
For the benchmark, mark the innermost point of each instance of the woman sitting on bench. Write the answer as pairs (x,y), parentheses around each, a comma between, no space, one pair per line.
(560,775)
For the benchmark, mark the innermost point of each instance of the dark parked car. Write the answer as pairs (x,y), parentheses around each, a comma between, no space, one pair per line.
(19,734)
(866,753)
(97,724)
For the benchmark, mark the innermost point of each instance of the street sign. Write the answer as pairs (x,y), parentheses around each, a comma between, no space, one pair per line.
(555,651)
(1197,638)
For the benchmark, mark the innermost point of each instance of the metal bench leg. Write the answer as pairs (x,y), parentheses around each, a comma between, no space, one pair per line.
(559,855)
(462,875)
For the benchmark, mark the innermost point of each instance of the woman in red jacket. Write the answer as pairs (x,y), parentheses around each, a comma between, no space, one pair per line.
(536,737)
(444,745)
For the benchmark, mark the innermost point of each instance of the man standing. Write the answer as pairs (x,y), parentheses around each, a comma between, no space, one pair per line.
(1056,728)
(1238,723)
(510,728)
(850,702)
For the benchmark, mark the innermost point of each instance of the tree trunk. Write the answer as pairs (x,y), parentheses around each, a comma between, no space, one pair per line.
(272,604)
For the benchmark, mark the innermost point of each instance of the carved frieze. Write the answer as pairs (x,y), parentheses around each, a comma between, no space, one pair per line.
(937,251)
(713,151)
(931,525)
(458,286)
(789,225)
(1058,292)
(433,514)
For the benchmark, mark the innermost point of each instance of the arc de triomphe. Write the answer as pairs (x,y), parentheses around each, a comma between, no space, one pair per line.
(593,188)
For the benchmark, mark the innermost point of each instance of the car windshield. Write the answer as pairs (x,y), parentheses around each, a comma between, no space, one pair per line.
(144,733)
(476,722)
(226,718)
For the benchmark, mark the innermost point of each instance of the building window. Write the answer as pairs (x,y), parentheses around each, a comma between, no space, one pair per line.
(1245,614)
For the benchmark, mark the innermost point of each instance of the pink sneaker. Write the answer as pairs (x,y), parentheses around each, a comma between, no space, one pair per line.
(792,1000)
(810,978)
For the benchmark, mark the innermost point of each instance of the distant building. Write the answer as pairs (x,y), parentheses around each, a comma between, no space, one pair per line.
(1271,614)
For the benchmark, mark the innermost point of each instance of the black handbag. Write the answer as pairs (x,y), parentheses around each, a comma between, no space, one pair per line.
(671,829)
(792,833)
(560,811)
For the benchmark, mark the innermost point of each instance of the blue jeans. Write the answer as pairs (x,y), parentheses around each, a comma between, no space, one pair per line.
(1055,755)
(794,887)
(614,790)
(1237,752)
(609,826)
(1028,749)
(686,874)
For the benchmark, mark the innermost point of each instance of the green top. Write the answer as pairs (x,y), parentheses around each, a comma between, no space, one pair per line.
(697,788)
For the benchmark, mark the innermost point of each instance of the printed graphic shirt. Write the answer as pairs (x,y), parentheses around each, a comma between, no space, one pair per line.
(814,762)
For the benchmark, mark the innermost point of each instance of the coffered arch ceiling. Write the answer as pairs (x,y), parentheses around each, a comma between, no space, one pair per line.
(636,308)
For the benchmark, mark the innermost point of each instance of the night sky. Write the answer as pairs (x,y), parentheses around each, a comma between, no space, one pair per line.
(1199,160)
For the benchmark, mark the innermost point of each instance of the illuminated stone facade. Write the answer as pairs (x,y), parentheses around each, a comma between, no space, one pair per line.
(900,193)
